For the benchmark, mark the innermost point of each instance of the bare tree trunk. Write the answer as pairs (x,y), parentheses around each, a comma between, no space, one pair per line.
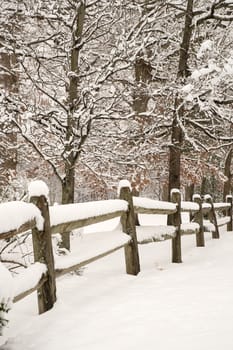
(141,97)
(68,186)
(175,152)
(164,192)
(68,183)
(143,76)
(227,172)
(177,134)
(183,70)
(204,186)
(189,191)
(8,146)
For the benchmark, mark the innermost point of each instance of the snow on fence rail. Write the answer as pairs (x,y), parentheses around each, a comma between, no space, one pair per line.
(67,217)
(17,217)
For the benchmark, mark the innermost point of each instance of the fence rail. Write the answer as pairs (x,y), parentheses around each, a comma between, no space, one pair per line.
(203,214)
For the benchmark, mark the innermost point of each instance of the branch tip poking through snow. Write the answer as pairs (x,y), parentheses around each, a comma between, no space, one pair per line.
(38,188)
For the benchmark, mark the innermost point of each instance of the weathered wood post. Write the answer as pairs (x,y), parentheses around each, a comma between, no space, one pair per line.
(176,221)
(212,216)
(43,253)
(198,218)
(128,226)
(229,212)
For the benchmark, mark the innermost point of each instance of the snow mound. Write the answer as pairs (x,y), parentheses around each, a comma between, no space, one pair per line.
(92,245)
(65,213)
(147,234)
(122,184)
(15,214)
(153,204)
(29,278)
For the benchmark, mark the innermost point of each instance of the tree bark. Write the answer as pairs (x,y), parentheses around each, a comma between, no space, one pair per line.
(177,134)
(204,186)
(8,146)
(175,152)
(143,77)
(183,70)
(189,191)
(68,186)
(68,182)
(228,174)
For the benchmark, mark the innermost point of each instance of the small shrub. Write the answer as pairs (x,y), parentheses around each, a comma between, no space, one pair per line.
(6,296)
(4,309)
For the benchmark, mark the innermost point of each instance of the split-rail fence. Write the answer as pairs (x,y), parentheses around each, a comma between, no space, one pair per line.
(203,217)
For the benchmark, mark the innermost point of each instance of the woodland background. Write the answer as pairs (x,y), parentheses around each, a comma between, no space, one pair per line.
(95,91)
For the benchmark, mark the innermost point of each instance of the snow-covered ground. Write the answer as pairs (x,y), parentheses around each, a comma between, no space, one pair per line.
(167,306)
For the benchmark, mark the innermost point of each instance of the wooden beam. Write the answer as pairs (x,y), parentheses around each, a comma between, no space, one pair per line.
(23,228)
(61,272)
(72,225)
(142,210)
(31,290)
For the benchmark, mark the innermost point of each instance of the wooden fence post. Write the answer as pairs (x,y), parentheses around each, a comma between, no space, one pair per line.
(198,218)
(212,216)
(176,221)
(229,213)
(128,226)
(43,253)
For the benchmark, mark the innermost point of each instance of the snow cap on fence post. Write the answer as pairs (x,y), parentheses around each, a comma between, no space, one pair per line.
(207,198)
(196,197)
(38,188)
(122,184)
(128,226)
